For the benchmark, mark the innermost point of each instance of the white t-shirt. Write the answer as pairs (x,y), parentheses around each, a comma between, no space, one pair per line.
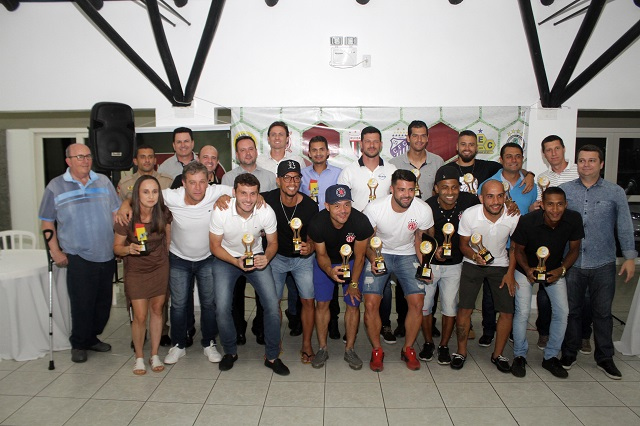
(266,162)
(189,237)
(556,179)
(494,235)
(397,230)
(233,227)
(356,176)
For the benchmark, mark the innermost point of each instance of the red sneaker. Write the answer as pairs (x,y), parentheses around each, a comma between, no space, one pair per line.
(409,356)
(377,357)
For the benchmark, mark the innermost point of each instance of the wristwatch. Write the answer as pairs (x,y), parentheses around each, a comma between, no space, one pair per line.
(564,271)
(353,285)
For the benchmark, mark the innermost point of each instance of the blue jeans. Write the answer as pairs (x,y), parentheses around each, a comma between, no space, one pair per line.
(301,269)
(544,314)
(601,283)
(181,275)
(226,275)
(560,310)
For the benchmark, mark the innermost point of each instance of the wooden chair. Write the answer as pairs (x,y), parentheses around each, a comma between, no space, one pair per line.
(17,240)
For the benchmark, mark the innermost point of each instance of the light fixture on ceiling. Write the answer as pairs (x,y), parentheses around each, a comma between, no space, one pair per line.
(363,1)
(271,3)
(455,1)
(547,2)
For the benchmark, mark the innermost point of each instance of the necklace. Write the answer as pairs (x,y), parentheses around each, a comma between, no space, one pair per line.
(473,169)
(453,211)
(285,213)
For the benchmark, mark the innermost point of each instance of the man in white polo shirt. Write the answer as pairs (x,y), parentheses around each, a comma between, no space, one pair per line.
(494,226)
(235,240)
(396,219)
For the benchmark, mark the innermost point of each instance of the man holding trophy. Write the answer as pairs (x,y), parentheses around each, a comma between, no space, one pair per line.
(398,220)
(539,243)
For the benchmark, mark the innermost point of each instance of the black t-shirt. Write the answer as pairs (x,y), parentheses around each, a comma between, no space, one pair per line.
(532,233)
(356,228)
(442,216)
(304,211)
(480,169)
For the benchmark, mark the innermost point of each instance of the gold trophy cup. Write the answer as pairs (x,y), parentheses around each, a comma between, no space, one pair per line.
(372,184)
(428,249)
(447,230)
(296,225)
(376,245)
(540,271)
(247,242)
(507,192)
(345,252)
(543,183)
(417,173)
(471,182)
(142,236)
(476,240)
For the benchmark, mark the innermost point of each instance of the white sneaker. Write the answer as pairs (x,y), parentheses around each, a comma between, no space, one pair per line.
(212,353)
(175,353)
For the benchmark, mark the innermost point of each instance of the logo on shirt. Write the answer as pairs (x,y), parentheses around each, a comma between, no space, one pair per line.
(382,176)
(351,237)
(412,225)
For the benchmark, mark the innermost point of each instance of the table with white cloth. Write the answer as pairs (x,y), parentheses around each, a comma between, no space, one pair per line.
(24,305)
(629,343)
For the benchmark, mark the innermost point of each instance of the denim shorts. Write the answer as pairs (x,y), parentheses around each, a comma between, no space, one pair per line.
(447,278)
(403,266)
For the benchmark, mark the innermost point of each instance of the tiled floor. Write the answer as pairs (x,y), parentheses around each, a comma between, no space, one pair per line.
(103,391)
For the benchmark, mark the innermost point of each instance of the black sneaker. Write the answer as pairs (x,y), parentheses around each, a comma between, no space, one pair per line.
(387,335)
(334,332)
(241,339)
(426,354)
(399,331)
(165,340)
(567,362)
(434,330)
(443,355)
(519,367)
(457,361)
(277,366)
(502,363)
(189,341)
(555,367)
(511,337)
(610,369)
(260,338)
(100,347)
(78,355)
(227,362)
(485,341)
(344,338)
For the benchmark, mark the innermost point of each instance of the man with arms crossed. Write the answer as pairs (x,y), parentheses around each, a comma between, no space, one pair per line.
(604,209)
(490,221)
(552,227)
(231,233)
(399,221)
(331,229)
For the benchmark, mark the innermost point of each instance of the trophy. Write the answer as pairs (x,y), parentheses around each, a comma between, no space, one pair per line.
(428,249)
(313,190)
(345,252)
(540,271)
(447,230)
(247,242)
(507,192)
(141,235)
(544,183)
(372,184)
(417,173)
(376,245)
(296,225)
(471,182)
(476,240)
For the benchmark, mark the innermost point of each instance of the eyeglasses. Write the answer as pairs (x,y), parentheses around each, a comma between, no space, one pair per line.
(288,179)
(81,157)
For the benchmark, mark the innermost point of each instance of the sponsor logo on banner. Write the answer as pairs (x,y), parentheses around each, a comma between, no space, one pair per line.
(354,141)
(485,146)
(515,136)
(399,144)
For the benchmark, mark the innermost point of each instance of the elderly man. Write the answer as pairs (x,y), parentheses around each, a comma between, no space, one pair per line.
(183,144)
(208,156)
(78,208)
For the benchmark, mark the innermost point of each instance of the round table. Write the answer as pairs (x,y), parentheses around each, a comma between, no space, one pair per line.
(24,305)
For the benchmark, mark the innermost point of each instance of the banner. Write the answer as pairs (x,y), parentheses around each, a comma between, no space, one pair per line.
(494,126)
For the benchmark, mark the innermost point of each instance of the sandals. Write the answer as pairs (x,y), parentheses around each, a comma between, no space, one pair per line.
(306,358)
(139,368)
(156,365)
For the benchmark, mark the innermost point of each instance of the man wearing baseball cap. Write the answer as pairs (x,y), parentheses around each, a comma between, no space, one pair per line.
(340,234)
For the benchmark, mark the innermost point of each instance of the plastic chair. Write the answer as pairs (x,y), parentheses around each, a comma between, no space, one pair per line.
(17,240)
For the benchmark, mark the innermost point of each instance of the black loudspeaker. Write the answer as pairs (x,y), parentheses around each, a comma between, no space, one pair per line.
(112,136)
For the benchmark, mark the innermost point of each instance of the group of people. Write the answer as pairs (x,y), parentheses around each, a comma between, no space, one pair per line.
(436,230)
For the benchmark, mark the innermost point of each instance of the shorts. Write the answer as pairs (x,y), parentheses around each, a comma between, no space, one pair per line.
(471,280)
(447,278)
(403,266)
(323,285)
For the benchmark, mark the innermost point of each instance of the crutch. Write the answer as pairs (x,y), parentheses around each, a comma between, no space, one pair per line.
(48,235)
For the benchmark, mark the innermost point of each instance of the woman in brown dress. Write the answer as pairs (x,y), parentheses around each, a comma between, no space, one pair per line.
(144,246)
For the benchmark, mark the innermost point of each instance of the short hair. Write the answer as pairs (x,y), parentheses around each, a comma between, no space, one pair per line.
(554,190)
(551,138)
(278,124)
(246,179)
(468,133)
(370,129)
(244,137)
(417,124)
(403,174)
(319,139)
(591,148)
(510,145)
(484,185)
(192,168)
(144,146)
(182,130)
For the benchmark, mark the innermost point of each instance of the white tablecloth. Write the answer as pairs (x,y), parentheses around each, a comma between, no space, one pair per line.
(24,305)
(629,344)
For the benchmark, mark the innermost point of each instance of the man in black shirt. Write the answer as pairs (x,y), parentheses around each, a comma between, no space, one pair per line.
(447,207)
(550,228)
(332,229)
(295,251)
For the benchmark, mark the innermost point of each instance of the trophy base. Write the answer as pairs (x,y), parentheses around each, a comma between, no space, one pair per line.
(541,278)
(446,253)
(248,262)
(423,273)
(382,268)
(488,257)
